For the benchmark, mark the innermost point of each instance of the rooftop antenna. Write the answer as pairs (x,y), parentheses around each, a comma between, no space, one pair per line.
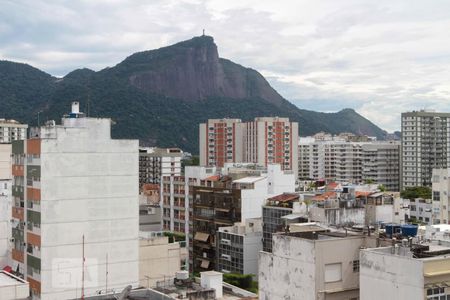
(106,288)
(82,275)
(203,32)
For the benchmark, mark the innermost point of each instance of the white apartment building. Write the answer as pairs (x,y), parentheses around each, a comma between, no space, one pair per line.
(425,146)
(238,247)
(155,163)
(11,130)
(311,265)
(268,140)
(440,196)
(75,209)
(352,162)
(404,272)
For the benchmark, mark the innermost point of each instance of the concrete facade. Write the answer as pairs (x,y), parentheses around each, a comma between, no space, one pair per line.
(155,163)
(425,146)
(440,196)
(352,162)
(158,259)
(238,247)
(307,268)
(11,130)
(76,184)
(269,140)
(394,273)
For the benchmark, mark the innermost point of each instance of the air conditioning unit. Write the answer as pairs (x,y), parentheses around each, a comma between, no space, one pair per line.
(12,240)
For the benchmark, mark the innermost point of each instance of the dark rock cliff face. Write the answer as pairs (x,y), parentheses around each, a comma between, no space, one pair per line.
(160,96)
(195,72)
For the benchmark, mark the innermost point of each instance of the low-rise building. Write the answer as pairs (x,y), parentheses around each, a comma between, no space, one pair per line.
(420,210)
(238,247)
(159,259)
(408,271)
(311,265)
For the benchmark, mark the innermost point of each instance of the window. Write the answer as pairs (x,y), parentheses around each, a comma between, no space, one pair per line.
(355,266)
(436,293)
(333,272)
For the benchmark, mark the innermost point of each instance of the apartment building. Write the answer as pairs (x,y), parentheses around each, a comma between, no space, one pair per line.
(440,196)
(425,146)
(421,210)
(311,265)
(11,130)
(155,163)
(176,196)
(340,160)
(75,203)
(238,247)
(381,164)
(221,141)
(235,196)
(405,272)
(273,212)
(263,141)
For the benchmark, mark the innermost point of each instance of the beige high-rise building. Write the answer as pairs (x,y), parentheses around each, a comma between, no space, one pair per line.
(268,140)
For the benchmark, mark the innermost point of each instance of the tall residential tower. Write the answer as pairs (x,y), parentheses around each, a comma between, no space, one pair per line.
(75,209)
(425,146)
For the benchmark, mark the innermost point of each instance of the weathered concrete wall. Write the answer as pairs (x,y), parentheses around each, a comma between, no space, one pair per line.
(337,216)
(289,272)
(385,276)
(89,186)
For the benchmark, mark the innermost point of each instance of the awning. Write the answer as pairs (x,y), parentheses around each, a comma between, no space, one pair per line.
(7,269)
(205,264)
(202,237)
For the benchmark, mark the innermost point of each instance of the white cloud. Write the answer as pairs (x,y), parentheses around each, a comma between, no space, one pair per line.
(379,57)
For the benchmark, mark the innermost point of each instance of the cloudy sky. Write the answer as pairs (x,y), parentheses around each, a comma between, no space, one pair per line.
(378,57)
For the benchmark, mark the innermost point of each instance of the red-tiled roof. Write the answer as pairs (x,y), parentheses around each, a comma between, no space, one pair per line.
(324,196)
(286,197)
(213,178)
(362,194)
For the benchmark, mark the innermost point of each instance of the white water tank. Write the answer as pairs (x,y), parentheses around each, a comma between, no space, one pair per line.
(75,107)
(182,275)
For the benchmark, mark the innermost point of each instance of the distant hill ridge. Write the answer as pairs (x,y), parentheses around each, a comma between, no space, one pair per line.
(160,96)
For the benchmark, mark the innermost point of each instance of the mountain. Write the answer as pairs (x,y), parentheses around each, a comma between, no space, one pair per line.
(160,96)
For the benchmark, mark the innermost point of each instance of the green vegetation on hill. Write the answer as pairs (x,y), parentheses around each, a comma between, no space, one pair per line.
(135,94)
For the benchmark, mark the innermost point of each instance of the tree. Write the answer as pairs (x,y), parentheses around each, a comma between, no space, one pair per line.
(382,188)
(416,192)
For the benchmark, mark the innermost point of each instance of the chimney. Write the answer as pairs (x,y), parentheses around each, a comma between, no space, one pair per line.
(75,107)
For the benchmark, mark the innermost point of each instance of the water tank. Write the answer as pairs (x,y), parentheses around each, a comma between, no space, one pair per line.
(392,229)
(182,275)
(409,230)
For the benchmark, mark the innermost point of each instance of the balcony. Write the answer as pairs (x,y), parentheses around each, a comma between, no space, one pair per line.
(18,213)
(17,255)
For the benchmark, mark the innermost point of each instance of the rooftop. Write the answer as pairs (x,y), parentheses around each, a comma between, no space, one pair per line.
(250,179)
